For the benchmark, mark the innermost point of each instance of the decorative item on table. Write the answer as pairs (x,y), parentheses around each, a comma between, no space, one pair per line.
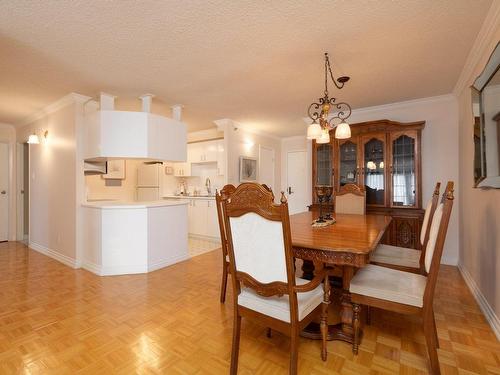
(324,193)
(248,169)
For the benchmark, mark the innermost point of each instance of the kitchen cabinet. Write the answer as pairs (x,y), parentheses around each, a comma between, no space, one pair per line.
(126,134)
(182,169)
(202,218)
(203,152)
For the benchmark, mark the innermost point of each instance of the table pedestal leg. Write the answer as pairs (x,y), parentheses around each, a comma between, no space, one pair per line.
(344,330)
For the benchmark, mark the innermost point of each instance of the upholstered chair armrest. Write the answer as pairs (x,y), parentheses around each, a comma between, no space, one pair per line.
(320,276)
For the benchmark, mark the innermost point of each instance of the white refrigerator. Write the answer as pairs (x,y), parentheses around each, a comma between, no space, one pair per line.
(149,182)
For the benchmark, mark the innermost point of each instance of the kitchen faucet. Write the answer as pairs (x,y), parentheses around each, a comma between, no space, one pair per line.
(208,186)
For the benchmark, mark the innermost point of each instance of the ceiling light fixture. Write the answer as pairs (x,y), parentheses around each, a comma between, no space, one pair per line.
(320,112)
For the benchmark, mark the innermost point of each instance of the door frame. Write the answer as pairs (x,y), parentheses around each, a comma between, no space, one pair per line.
(19,187)
(273,185)
(9,200)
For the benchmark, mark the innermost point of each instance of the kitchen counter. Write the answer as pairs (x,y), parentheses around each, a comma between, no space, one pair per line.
(134,237)
(179,197)
(121,204)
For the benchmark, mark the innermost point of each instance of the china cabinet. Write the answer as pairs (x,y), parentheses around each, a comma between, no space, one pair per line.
(384,157)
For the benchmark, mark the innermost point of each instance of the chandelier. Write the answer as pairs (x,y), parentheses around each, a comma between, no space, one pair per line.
(322,120)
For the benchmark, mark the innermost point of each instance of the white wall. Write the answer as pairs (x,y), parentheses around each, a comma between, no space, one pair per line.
(479,208)
(8,135)
(53,201)
(240,141)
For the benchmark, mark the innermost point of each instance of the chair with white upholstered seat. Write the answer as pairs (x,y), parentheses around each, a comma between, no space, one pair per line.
(350,199)
(224,193)
(403,258)
(406,292)
(265,288)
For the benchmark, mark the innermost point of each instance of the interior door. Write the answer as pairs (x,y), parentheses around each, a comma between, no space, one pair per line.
(296,190)
(4,191)
(266,167)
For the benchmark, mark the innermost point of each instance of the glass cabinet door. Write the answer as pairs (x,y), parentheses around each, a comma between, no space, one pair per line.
(324,164)
(403,170)
(374,170)
(348,163)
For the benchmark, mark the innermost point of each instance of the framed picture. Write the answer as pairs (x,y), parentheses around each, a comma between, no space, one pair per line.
(116,170)
(248,169)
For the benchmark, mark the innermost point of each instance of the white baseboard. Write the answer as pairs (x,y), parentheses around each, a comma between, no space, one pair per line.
(481,301)
(132,269)
(70,262)
(450,261)
(204,238)
(91,267)
(167,262)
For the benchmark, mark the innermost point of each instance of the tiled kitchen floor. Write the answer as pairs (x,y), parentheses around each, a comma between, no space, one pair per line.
(197,246)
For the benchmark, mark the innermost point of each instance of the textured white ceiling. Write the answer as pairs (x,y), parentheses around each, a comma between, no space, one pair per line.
(257,62)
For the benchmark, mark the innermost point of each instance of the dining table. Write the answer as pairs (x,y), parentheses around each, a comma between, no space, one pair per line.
(343,247)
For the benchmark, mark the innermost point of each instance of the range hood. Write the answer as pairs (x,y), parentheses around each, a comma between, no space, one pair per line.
(94,167)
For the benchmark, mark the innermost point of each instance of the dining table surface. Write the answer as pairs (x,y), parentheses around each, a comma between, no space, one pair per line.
(350,240)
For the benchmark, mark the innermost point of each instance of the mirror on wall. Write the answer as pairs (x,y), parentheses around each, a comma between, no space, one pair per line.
(486,122)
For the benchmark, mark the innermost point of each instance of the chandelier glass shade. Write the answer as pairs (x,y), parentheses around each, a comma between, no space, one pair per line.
(327,113)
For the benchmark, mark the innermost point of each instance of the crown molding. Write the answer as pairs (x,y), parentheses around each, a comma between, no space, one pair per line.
(478,54)
(55,106)
(397,105)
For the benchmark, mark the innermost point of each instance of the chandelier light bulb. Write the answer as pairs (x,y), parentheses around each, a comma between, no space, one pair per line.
(313,131)
(343,131)
(325,137)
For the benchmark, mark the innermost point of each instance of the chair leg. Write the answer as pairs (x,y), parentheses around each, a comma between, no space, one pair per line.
(223,284)
(435,330)
(356,309)
(368,315)
(236,344)
(269,333)
(430,338)
(324,318)
(294,351)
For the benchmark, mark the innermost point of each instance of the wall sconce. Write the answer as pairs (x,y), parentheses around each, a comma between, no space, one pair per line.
(33,139)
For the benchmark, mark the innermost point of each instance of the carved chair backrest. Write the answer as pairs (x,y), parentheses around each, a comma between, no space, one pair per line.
(426,224)
(224,194)
(350,199)
(259,242)
(435,244)
(429,213)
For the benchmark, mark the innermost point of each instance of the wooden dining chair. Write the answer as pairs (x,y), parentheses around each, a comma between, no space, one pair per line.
(265,288)
(350,199)
(219,197)
(406,292)
(224,194)
(406,259)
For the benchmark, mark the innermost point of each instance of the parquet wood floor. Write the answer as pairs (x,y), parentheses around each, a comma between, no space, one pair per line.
(56,320)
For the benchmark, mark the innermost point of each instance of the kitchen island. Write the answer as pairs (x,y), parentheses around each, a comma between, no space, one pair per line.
(134,237)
